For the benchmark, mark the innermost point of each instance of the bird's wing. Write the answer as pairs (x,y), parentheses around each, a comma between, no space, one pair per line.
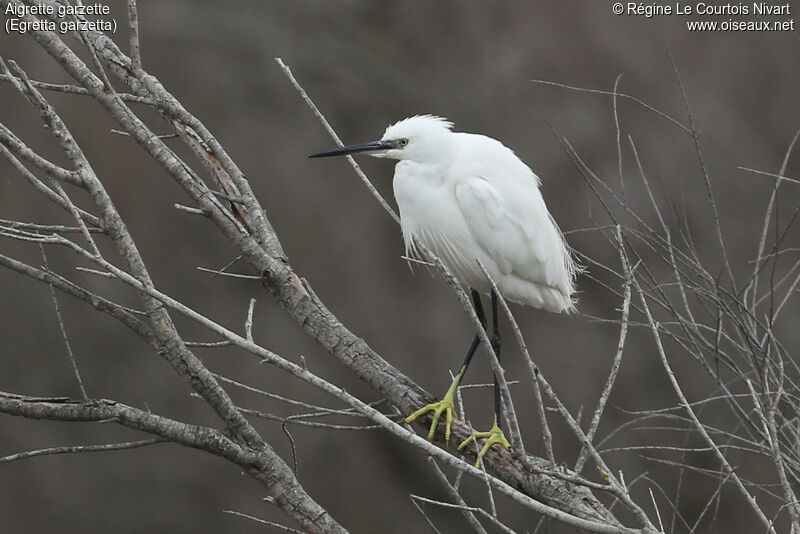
(516,241)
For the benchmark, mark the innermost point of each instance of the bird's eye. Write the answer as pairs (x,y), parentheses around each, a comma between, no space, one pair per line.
(402,142)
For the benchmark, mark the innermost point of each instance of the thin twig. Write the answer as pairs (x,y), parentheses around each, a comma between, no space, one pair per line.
(55,228)
(133,24)
(208,345)
(188,209)
(284,528)
(382,201)
(779,175)
(623,95)
(424,515)
(75,90)
(615,365)
(619,135)
(453,493)
(95,272)
(658,512)
(467,509)
(81,449)
(231,275)
(63,330)
(248,324)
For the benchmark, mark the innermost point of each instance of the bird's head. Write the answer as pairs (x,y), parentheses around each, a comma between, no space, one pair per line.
(421,138)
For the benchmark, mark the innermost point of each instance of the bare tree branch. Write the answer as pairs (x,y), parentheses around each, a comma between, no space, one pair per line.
(81,449)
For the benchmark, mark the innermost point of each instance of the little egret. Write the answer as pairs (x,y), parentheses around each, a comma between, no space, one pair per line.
(468,197)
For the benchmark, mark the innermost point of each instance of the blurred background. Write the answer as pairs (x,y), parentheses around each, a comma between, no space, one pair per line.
(368,64)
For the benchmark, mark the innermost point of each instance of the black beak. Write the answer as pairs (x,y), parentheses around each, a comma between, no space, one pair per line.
(354,149)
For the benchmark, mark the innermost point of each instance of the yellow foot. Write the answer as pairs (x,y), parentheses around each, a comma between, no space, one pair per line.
(445,405)
(494,436)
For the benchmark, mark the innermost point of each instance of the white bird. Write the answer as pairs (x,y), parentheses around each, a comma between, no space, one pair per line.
(467,197)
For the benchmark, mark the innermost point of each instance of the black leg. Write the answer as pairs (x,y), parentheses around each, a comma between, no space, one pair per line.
(494,436)
(476,341)
(476,301)
(495,340)
(498,403)
(446,406)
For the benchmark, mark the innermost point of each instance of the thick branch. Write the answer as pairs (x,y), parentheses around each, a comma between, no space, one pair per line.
(264,465)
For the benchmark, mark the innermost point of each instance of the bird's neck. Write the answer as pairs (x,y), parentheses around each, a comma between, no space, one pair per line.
(429,173)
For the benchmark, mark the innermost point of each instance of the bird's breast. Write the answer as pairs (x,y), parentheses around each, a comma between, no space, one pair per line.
(425,200)
(430,212)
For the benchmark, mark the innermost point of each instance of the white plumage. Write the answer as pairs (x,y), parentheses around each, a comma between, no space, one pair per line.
(467,197)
